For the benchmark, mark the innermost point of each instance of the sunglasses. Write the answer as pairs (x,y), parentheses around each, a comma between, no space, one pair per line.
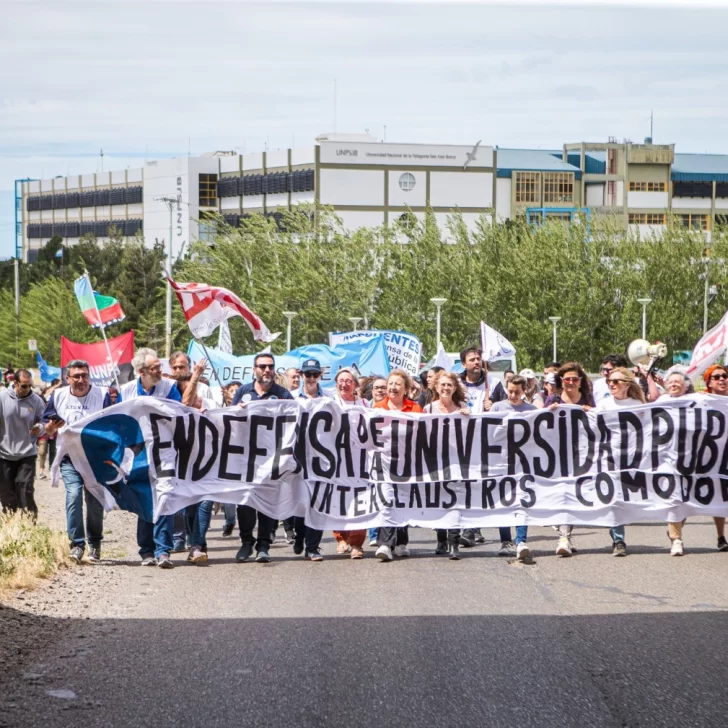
(719,376)
(23,386)
(617,381)
(606,369)
(78,376)
(266,366)
(570,379)
(312,375)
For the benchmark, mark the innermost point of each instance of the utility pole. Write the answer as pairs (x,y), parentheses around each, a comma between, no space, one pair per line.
(170,201)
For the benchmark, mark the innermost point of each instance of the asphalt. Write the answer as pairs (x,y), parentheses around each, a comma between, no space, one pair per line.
(587,641)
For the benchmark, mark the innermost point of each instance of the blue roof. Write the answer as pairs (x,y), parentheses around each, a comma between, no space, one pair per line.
(532,160)
(700,168)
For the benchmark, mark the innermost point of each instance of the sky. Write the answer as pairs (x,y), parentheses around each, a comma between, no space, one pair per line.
(163,78)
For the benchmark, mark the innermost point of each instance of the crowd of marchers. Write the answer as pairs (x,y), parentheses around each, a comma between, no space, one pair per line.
(30,422)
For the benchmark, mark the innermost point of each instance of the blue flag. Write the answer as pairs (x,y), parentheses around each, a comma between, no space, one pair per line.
(47,373)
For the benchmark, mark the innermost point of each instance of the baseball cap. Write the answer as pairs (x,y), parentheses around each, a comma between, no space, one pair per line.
(550,378)
(527,373)
(311,365)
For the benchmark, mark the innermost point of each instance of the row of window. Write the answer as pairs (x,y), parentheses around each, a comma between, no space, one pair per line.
(99,228)
(646,218)
(89,198)
(691,221)
(648,186)
(557,187)
(234,220)
(301,180)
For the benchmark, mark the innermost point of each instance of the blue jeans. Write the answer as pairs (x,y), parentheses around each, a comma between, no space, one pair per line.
(198,521)
(180,534)
(521,534)
(230,511)
(155,538)
(617,533)
(75,496)
(373,534)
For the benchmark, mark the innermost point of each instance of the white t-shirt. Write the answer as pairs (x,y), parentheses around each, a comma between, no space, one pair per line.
(600,390)
(71,408)
(609,404)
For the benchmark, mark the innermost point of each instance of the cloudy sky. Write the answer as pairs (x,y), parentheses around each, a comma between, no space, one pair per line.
(160,78)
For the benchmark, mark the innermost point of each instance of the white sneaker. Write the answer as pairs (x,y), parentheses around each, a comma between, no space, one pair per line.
(373,542)
(384,553)
(564,547)
(522,551)
(507,548)
(677,548)
(402,551)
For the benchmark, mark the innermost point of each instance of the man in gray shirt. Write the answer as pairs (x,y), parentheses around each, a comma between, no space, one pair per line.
(515,389)
(20,427)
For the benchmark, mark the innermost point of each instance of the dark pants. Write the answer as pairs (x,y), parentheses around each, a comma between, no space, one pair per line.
(450,536)
(17,478)
(393,537)
(305,534)
(289,524)
(266,525)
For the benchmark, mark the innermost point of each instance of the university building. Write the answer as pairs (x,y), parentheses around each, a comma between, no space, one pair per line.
(371,183)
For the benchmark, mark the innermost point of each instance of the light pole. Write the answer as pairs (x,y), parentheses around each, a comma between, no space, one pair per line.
(438,302)
(169,201)
(554,320)
(644,302)
(290,315)
(354,321)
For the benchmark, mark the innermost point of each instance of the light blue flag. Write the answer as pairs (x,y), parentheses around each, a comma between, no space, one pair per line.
(369,357)
(47,374)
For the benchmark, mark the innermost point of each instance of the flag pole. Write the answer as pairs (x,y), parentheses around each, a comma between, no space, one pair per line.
(207,356)
(103,332)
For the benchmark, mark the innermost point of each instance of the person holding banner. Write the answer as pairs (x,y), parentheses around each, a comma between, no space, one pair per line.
(716,382)
(263,387)
(448,399)
(66,406)
(347,382)
(482,388)
(399,385)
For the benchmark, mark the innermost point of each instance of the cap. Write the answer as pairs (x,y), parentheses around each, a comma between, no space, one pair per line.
(550,378)
(311,365)
(528,373)
(351,371)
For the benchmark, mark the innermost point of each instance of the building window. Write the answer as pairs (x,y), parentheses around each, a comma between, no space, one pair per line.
(558,216)
(407,182)
(527,186)
(695,222)
(558,187)
(208,190)
(648,186)
(646,218)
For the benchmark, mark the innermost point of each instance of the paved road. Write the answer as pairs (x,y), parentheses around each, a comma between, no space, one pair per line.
(587,641)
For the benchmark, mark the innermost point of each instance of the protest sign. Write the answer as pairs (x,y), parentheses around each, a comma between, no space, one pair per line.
(404,350)
(355,468)
(101,370)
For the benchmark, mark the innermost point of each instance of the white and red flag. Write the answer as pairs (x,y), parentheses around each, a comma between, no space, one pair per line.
(207,307)
(709,349)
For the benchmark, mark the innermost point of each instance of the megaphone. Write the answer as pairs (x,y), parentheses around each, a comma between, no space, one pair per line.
(641,353)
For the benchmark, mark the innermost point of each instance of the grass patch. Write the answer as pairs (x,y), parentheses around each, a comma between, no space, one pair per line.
(29,552)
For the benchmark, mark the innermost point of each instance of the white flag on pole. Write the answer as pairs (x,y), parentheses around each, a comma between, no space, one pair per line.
(494,345)
(224,340)
(709,349)
(442,359)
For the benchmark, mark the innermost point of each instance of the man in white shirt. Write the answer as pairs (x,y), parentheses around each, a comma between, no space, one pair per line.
(600,389)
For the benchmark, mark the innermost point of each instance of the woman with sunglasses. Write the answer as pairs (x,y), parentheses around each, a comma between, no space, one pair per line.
(449,399)
(716,383)
(399,385)
(572,387)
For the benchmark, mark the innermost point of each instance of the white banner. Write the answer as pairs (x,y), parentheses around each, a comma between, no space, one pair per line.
(494,345)
(404,350)
(357,468)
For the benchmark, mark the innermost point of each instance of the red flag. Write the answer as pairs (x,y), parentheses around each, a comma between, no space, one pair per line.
(206,307)
(101,370)
(709,349)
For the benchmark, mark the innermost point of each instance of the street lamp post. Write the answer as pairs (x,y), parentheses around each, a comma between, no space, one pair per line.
(354,321)
(290,315)
(644,302)
(438,302)
(554,320)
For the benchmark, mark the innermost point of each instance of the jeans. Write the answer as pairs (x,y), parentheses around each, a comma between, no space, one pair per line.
(180,534)
(230,510)
(17,478)
(617,532)
(155,538)
(393,536)
(198,521)
(450,536)
(75,496)
(266,526)
(521,534)
(373,534)
(305,534)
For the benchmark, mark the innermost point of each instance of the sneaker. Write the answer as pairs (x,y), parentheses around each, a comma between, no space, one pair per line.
(722,544)
(94,554)
(263,557)
(342,547)
(373,542)
(619,548)
(298,547)
(290,536)
(76,554)
(454,553)
(467,538)
(357,552)
(197,555)
(479,538)
(384,553)
(564,547)
(441,548)
(401,551)
(677,548)
(522,551)
(42,475)
(164,562)
(227,530)
(179,547)
(507,548)
(244,552)
(148,560)
(314,556)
